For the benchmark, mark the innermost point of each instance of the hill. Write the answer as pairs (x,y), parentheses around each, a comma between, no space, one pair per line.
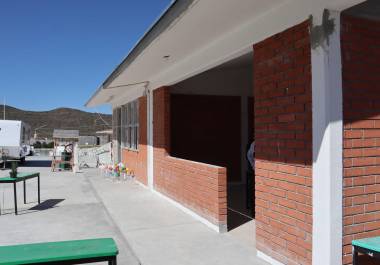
(62,118)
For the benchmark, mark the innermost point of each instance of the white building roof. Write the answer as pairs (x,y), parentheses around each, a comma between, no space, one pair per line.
(65,134)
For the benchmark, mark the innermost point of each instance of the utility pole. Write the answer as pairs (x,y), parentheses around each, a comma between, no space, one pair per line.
(4,109)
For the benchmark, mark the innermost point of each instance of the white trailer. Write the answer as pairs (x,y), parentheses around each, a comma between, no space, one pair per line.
(14,140)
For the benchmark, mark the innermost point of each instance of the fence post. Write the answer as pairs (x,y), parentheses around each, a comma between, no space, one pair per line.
(76,158)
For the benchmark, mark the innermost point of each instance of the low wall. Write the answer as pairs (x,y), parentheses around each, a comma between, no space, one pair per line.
(200,187)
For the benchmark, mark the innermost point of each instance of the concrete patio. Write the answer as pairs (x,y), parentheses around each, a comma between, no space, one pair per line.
(148,229)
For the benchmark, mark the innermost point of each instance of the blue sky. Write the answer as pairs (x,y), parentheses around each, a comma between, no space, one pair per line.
(55,53)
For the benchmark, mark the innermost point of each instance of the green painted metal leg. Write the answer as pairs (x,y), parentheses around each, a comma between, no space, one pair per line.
(15,196)
(24,192)
(39,192)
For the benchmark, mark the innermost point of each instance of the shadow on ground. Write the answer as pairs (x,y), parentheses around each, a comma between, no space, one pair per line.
(28,163)
(235,219)
(37,163)
(48,204)
(45,205)
(239,211)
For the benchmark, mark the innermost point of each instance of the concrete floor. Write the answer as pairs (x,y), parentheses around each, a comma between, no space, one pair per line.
(70,210)
(147,228)
(160,233)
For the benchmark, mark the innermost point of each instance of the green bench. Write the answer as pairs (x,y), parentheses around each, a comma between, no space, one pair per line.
(367,246)
(65,252)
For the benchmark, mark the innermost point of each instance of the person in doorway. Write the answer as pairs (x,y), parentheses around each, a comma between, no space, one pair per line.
(251,155)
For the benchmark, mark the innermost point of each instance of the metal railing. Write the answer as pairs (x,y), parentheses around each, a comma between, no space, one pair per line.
(93,156)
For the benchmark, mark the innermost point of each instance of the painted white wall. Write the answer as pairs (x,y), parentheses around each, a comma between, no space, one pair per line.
(327,149)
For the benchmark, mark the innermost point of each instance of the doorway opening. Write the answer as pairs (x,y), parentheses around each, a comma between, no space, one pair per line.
(212,121)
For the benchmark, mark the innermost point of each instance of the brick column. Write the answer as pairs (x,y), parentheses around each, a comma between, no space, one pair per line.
(283,135)
(361,101)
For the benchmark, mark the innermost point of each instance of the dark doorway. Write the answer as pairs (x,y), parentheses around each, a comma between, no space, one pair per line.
(212,122)
(207,129)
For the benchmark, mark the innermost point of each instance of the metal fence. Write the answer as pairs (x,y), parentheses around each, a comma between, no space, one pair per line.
(91,157)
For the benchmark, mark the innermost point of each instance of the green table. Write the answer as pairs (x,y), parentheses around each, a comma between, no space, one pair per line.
(22,176)
(368,246)
(64,252)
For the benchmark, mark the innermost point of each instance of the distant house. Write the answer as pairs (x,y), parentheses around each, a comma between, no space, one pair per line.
(88,140)
(298,77)
(65,135)
(101,137)
(104,136)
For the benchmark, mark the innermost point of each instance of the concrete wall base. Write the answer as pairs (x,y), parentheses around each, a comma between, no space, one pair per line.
(268,259)
(221,228)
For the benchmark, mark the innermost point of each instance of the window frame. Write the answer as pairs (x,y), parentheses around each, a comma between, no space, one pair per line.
(130,126)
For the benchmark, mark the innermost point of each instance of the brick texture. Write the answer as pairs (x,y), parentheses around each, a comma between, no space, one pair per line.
(283,134)
(137,160)
(198,186)
(361,113)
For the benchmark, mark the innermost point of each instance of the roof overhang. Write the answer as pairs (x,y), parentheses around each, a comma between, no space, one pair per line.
(65,134)
(193,36)
(106,93)
(117,95)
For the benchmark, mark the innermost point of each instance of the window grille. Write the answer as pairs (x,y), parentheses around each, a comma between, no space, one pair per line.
(130,125)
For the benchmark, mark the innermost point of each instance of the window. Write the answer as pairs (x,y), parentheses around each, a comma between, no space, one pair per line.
(116,124)
(130,125)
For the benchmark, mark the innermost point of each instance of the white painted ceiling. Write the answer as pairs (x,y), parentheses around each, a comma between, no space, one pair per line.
(232,26)
(208,20)
(204,22)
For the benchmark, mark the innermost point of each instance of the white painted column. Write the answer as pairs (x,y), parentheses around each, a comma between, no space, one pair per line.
(327,139)
(150,138)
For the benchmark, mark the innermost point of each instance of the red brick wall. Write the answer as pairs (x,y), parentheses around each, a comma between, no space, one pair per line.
(137,160)
(361,114)
(198,186)
(205,130)
(283,133)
